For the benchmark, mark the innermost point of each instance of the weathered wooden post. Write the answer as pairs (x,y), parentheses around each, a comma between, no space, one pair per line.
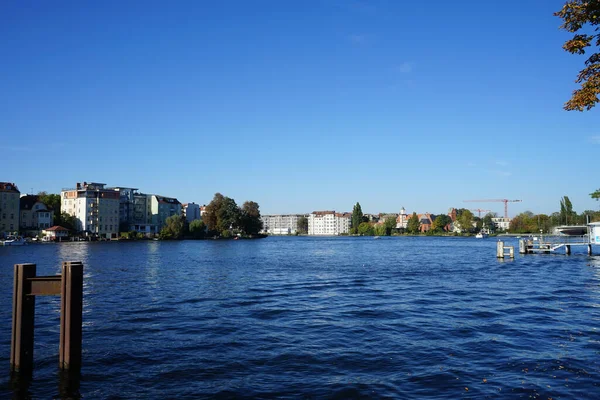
(500,249)
(511,251)
(68,285)
(567,249)
(522,246)
(71,309)
(21,348)
(589,249)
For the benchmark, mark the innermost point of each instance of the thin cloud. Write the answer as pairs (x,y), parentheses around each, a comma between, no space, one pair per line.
(595,139)
(501,163)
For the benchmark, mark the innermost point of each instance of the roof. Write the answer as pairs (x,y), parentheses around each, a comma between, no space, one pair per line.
(9,187)
(26,202)
(56,228)
(323,212)
(170,200)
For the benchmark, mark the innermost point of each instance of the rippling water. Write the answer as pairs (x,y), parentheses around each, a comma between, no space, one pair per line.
(305,317)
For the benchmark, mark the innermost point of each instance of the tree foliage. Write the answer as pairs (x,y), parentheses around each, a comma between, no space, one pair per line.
(413,225)
(66,221)
(595,195)
(223,217)
(389,224)
(567,215)
(357,217)
(582,15)
(175,227)
(197,228)
(250,221)
(465,221)
(365,229)
(441,222)
(302,225)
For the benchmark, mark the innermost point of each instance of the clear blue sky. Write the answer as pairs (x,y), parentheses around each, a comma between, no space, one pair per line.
(298,105)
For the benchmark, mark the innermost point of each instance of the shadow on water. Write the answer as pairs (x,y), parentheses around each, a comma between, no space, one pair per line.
(68,385)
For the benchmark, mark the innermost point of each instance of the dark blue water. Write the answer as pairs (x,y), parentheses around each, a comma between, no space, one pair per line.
(317,318)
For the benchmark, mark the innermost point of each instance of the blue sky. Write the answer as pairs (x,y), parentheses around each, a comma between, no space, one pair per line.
(298,105)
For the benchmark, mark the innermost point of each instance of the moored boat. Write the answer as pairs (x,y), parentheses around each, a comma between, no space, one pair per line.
(14,241)
(572,230)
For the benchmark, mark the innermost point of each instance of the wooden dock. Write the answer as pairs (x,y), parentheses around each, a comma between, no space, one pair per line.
(545,245)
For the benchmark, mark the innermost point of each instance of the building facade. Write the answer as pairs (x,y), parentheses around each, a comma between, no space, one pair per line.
(329,223)
(95,208)
(9,208)
(161,208)
(502,223)
(281,224)
(34,214)
(191,211)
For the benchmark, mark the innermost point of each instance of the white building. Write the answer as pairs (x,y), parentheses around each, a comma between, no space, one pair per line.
(329,223)
(286,224)
(161,208)
(191,211)
(95,208)
(502,223)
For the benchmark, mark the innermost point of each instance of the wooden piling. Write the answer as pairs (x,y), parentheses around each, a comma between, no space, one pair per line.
(567,249)
(21,349)
(589,249)
(71,309)
(522,246)
(500,249)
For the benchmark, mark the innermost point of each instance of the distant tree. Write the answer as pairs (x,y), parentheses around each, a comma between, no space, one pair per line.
(596,194)
(413,224)
(211,217)
(67,221)
(52,201)
(365,229)
(489,223)
(583,15)
(250,221)
(389,224)
(465,221)
(174,227)
(197,228)
(441,222)
(228,216)
(302,225)
(379,230)
(357,217)
(567,215)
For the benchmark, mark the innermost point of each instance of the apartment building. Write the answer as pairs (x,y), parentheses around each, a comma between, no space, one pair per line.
(502,223)
(35,215)
(135,211)
(9,207)
(95,207)
(191,211)
(328,223)
(281,224)
(161,208)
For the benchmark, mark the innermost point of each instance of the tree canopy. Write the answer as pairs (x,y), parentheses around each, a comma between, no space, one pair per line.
(413,224)
(357,217)
(582,15)
(596,194)
(175,227)
(223,216)
(302,225)
(250,221)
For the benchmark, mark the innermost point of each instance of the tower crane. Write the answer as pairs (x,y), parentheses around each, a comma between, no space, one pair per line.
(479,211)
(505,201)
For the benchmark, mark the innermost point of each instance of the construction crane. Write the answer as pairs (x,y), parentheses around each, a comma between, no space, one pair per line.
(479,210)
(505,201)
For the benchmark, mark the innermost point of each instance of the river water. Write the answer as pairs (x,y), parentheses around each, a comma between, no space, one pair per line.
(302,317)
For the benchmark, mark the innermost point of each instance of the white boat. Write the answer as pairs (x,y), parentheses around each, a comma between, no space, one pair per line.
(481,235)
(14,241)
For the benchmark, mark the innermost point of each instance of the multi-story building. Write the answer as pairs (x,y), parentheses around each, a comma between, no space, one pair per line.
(135,211)
(9,208)
(286,224)
(34,214)
(191,211)
(328,223)
(161,208)
(502,223)
(95,207)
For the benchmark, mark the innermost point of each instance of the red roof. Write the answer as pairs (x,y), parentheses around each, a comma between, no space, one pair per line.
(57,228)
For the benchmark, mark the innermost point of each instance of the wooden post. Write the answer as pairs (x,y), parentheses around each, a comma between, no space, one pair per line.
(589,249)
(567,249)
(511,251)
(71,308)
(500,249)
(21,349)
(522,246)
